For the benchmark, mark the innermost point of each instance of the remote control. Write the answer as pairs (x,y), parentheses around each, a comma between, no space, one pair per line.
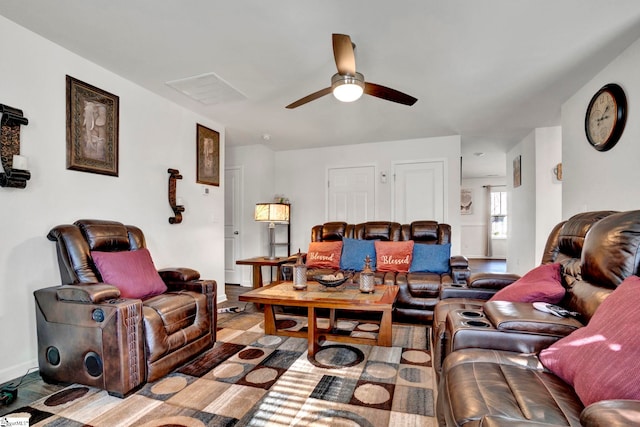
(561,312)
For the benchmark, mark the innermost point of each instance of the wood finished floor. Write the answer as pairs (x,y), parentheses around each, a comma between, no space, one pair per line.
(33,387)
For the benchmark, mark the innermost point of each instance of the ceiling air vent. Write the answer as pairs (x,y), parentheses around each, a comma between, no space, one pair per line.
(208,89)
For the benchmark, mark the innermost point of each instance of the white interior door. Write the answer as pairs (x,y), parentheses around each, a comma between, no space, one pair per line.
(419,191)
(232,209)
(351,194)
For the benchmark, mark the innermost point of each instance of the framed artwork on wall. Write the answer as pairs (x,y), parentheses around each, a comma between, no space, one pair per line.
(466,201)
(208,156)
(92,128)
(517,173)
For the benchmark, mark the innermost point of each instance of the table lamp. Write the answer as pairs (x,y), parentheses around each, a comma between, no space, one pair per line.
(272,213)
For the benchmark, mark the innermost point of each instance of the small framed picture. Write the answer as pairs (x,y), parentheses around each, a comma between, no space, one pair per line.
(92,128)
(517,173)
(208,156)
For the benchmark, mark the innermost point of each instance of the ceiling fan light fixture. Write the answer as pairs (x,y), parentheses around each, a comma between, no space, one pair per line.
(347,88)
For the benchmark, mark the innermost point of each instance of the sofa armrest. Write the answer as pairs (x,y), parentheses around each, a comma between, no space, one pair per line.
(523,317)
(200,286)
(88,293)
(495,281)
(178,274)
(611,413)
(460,271)
(458,290)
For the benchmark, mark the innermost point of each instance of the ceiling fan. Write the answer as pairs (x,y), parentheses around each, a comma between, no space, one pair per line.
(348,85)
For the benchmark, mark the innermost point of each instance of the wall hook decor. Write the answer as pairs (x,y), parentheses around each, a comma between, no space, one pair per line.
(177,209)
(15,166)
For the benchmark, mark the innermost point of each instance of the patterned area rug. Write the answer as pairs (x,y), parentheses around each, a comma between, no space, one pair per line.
(253,379)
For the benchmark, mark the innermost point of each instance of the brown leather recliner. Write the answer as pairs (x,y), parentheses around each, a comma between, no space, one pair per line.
(88,334)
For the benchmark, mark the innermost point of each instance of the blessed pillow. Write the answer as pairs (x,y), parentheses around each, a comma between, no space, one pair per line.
(542,284)
(393,256)
(324,254)
(430,258)
(354,252)
(602,360)
(132,272)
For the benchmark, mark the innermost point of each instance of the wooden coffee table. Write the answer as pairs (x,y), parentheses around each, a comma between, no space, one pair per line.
(314,297)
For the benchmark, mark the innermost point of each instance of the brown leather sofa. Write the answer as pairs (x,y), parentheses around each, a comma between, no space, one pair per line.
(501,381)
(88,334)
(419,292)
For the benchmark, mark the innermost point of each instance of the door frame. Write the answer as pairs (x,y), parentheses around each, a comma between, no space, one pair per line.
(445,183)
(240,205)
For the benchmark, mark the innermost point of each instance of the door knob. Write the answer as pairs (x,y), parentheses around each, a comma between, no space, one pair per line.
(235,232)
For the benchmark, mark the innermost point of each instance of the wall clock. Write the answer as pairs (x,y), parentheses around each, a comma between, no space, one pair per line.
(606,117)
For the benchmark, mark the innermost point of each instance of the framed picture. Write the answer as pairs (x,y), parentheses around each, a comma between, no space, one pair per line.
(208,156)
(517,174)
(92,128)
(466,201)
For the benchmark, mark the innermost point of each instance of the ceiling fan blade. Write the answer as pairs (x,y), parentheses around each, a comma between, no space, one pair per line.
(309,98)
(344,55)
(388,94)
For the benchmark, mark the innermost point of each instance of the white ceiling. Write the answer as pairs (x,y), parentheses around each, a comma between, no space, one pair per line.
(489,70)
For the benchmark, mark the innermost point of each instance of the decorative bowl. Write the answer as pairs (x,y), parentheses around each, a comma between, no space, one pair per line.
(330,283)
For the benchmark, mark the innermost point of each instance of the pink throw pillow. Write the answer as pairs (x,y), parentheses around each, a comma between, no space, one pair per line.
(132,272)
(602,360)
(324,254)
(542,284)
(394,256)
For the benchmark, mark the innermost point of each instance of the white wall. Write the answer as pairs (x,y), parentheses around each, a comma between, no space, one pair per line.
(595,180)
(473,227)
(257,164)
(535,206)
(154,135)
(548,188)
(301,175)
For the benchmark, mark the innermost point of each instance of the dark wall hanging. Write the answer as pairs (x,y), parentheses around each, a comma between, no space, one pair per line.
(15,175)
(177,209)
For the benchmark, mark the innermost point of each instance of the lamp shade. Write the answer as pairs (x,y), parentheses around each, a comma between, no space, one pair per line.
(272,212)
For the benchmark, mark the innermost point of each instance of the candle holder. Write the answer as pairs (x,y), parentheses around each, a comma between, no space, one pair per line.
(299,273)
(367,279)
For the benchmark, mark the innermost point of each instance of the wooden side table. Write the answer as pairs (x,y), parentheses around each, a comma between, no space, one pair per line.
(261,261)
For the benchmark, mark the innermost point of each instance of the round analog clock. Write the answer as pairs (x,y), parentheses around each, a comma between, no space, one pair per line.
(606,117)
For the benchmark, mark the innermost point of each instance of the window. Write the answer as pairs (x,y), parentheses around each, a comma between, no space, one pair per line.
(499,214)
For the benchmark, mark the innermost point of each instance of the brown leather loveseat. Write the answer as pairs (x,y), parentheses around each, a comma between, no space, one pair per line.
(89,334)
(419,292)
(499,377)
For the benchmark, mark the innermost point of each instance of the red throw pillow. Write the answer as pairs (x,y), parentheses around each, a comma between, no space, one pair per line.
(324,254)
(602,360)
(132,272)
(540,284)
(394,256)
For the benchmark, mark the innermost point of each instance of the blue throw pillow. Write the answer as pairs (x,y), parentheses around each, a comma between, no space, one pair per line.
(354,251)
(430,258)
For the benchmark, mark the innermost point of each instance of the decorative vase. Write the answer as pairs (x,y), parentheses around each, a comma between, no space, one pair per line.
(367,282)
